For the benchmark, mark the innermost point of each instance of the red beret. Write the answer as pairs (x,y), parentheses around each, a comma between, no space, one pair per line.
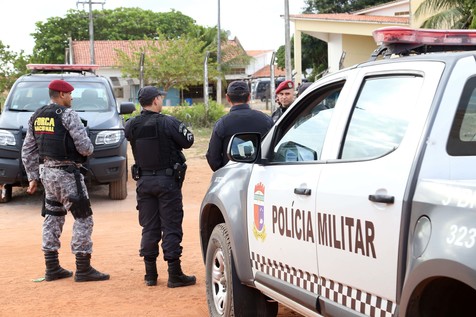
(60,85)
(287,84)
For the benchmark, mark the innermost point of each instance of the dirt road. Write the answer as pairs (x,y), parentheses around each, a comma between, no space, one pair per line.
(116,240)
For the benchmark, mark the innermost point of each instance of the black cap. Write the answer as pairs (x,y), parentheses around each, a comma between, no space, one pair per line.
(148,93)
(303,87)
(238,87)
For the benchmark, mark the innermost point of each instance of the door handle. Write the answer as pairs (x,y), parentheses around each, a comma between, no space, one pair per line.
(302,191)
(386,199)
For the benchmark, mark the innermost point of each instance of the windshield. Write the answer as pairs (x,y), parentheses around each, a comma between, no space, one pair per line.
(29,96)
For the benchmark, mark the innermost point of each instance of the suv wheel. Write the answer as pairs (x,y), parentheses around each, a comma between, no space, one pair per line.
(6,193)
(226,296)
(118,189)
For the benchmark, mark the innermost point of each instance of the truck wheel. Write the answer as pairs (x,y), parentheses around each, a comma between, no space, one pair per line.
(118,189)
(226,296)
(6,193)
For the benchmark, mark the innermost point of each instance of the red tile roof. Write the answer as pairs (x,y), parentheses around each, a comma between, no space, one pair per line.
(352,18)
(266,72)
(254,53)
(105,54)
(231,50)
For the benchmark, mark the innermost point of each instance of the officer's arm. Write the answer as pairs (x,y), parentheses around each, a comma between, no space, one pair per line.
(30,155)
(182,136)
(215,153)
(32,186)
(77,131)
(127,129)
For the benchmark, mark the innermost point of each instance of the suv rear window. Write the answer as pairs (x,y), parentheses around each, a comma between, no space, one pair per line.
(462,139)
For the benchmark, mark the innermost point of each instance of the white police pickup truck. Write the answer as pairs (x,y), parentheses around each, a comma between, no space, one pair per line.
(361,200)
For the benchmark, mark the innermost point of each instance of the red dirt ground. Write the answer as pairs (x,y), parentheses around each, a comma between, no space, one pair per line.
(116,240)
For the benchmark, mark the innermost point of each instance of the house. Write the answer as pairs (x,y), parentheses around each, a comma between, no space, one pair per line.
(239,66)
(105,55)
(349,36)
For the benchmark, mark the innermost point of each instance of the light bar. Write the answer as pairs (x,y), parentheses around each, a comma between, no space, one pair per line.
(401,35)
(63,67)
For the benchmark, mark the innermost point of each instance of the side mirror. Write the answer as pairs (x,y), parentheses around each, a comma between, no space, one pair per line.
(127,107)
(244,147)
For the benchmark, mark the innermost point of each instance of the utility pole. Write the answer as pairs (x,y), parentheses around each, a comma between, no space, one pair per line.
(287,40)
(272,85)
(91,25)
(205,81)
(219,58)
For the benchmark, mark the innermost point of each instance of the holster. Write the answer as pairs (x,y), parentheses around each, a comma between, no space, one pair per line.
(80,207)
(179,173)
(80,204)
(135,171)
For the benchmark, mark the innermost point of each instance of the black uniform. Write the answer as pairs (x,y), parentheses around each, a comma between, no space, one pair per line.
(157,141)
(241,118)
(278,113)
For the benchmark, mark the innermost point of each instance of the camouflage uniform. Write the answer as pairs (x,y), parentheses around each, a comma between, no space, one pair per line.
(59,185)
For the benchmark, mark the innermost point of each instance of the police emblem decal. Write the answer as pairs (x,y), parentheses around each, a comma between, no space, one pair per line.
(259,229)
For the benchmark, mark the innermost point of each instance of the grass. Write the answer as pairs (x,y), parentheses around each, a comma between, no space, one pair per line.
(200,146)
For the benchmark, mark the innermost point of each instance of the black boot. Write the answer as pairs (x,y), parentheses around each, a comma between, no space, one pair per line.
(85,272)
(53,270)
(151,275)
(176,276)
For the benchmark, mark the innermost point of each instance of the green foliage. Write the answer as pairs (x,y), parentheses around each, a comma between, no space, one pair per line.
(52,37)
(448,14)
(12,66)
(339,6)
(167,63)
(313,53)
(197,116)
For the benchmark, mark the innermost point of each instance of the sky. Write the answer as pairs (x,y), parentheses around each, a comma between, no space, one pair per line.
(258,24)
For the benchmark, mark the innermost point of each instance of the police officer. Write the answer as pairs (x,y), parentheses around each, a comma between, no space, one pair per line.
(241,118)
(58,140)
(157,141)
(285,95)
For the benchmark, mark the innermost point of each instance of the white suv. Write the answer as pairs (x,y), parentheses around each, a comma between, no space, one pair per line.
(361,200)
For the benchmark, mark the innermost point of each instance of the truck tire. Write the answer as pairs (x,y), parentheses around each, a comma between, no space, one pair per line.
(6,193)
(118,189)
(226,296)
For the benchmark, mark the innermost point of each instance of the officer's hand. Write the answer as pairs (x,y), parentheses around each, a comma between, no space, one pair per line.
(32,186)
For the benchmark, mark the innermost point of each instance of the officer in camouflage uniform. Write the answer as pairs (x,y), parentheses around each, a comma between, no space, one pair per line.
(157,141)
(58,140)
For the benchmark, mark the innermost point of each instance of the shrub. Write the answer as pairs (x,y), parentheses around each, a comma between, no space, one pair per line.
(195,116)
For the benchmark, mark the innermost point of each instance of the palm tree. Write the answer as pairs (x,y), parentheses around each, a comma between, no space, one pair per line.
(448,14)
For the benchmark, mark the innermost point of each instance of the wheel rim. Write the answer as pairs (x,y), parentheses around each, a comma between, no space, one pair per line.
(219,282)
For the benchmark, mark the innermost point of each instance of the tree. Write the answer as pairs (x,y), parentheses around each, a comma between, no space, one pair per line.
(12,66)
(52,37)
(167,63)
(448,14)
(314,51)
(313,55)
(339,6)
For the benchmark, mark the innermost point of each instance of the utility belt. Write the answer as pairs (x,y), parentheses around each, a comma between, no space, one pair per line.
(71,168)
(178,171)
(164,172)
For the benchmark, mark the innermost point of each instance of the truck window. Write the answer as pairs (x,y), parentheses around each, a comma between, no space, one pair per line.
(380,116)
(462,138)
(303,138)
